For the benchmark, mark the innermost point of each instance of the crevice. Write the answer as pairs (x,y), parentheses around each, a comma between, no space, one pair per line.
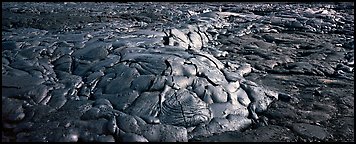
(144,67)
(73,65)
(210,81)
(150,85)
(168,65)
(166,40)
(181,107)
(201,37)
(216,65)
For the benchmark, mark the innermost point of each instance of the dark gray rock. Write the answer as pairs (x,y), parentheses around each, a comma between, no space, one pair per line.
(64,63)
(39,93)
(14,111)
(110,61)
(145,105)
(81,67)
(168,133)
(95,126)
(128,124)
(142,83)
(111,125)
(310,131)
(160,66)
(93,113)
(22,127)
(131,137)
(270,133)
(151,119)
(222,110)
(69,80)
(260,97)
(102,102)
(124,74)
(123,100)
(60,51)
(32,52)
(39,113)
(92,52)
(84,91)
(103,138)
(9,45)
(58,98)
(184,108)
(94,77)
(219,125)
(12,81)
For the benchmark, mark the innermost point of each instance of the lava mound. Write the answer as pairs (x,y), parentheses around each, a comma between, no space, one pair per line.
(126,85)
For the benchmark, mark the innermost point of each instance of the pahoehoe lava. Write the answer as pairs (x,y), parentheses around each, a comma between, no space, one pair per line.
(150,72)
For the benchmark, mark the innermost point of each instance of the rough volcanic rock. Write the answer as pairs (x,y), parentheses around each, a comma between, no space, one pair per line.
(138,72)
